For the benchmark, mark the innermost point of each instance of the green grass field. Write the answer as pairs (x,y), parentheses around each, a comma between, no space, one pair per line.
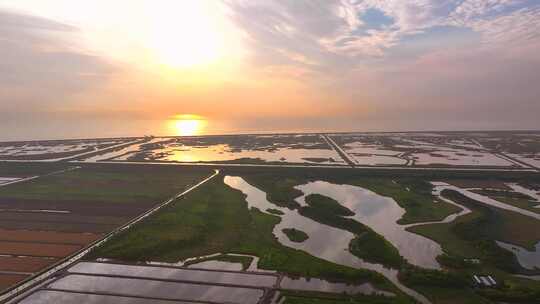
(115,184)
(473,236)
(411,193)
(306,297)
(215,219)
(26,169)
(295,235)
(512,198)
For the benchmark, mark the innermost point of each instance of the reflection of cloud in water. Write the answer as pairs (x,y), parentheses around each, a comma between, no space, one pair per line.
(223,152)
(381,214)
(324,241)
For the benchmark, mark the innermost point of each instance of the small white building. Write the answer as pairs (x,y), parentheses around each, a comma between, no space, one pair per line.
(484,281)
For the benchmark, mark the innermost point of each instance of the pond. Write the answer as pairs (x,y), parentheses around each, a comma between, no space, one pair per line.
(158,289)
(59,297)
(170,273)
(527,259)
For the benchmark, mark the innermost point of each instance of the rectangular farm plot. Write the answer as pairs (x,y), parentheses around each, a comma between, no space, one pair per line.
(60,297)
(24,264)
(47,219)
(19,170)
(419,149)
(158,289)
(67,222)
(157,272)
(370,150)
(109,184)
(55,149)
(37,249)
(6,280)
(47,237)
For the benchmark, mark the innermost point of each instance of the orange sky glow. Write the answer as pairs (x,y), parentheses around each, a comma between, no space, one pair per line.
(126,67)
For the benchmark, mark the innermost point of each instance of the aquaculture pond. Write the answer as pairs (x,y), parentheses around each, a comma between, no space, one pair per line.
(60,297)
(169,273)
(140,287)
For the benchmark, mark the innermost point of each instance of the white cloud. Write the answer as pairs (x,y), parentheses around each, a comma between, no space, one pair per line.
(520,28)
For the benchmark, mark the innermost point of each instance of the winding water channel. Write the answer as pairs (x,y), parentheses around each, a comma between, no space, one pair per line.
(527,259)
(381,214)
(324,241)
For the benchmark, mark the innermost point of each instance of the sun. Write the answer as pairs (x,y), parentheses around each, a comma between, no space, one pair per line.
(184,34)
(187,125)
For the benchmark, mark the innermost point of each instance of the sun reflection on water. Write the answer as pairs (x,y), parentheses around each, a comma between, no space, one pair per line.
(187,125)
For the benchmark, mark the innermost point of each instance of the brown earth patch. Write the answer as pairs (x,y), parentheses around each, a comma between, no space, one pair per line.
(7,280)
(24,264)
(35,249)
(57,226)
(77,207)
(60,218)
(47,236)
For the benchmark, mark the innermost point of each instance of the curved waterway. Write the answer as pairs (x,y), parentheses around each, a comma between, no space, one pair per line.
(381,214)
(324,242)
(528,259)
(486,200)
(437,189)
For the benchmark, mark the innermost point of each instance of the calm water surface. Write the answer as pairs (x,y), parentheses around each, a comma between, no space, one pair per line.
(158,289)
(57,297)
(325,242)
(527,259)
(153,272)
(380,214)
(312,284)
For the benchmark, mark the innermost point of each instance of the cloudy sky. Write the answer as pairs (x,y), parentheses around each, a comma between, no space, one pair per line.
(128,67)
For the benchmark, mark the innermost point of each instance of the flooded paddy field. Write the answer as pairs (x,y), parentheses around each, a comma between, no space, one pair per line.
(51,217)
(181,274)
(444,149)
(521,146)
(240,149)
(154,283)
(127,283)
(54,149)
(64,297)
